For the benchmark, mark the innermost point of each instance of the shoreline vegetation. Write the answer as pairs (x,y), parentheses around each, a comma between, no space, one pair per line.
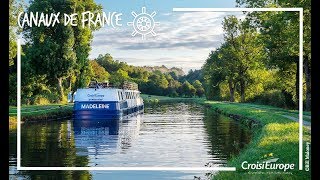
(275,136)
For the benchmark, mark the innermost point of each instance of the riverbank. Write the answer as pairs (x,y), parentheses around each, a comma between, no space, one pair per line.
(153,99)
(275,137)
(275,134)
(39,113)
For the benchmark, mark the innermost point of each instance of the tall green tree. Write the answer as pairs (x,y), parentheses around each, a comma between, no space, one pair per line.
(82,39)
(245,48)
(14,8)
(281,30)
(60,51)
(51,48)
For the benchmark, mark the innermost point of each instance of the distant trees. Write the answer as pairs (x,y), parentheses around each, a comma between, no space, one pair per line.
(98,72)
(150,79)
(199,89)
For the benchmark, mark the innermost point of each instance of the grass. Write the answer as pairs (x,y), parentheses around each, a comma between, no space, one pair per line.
(39,113)
(156,99)
(278,136)
(271,109)
(37,109)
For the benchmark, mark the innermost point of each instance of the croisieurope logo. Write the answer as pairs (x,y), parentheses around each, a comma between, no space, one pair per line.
(268,165)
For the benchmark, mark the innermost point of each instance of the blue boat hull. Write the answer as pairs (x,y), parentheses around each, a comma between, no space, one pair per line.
(103,110)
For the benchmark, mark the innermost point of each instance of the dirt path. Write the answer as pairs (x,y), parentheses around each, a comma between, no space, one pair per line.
(305,123)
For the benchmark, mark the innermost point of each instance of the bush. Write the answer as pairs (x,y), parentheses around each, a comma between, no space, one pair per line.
(274,98)
(40,100)
(13,89)
(45,98)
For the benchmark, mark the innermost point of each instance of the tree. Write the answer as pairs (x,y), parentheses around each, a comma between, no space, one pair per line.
(187,89)
(281,30)
(60,51)
(82,39)
(108,63)
(50,50)
(14,8)
(99,73)
(199,89)
(247,51)
(119,77)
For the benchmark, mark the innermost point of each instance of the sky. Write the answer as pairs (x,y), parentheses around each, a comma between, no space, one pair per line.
(183,39)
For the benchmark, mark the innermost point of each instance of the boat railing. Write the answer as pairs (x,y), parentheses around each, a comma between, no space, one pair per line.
(125,85)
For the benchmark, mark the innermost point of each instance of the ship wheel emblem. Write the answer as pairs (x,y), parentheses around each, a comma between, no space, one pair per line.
(143,23)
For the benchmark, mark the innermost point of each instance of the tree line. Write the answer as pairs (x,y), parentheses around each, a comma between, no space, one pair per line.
(257,62)
(55,59)
(259,58)
(169,83)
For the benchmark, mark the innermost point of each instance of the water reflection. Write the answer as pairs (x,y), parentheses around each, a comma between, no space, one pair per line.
(46,144)
(102,139)
(178,134)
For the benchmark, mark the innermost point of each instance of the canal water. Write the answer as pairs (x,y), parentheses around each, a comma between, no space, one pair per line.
(166,135)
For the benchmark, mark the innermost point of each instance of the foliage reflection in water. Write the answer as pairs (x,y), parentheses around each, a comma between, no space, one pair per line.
(168,135)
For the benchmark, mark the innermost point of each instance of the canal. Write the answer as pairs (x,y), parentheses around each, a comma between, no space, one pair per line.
(166,135)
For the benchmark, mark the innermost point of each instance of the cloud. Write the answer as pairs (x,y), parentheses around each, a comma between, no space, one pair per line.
(179,33)
(184,30)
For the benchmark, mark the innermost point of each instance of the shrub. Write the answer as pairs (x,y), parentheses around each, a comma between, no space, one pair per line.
(40,100)
(274,98)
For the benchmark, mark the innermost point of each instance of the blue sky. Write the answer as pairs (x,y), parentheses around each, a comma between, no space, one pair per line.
(183,40)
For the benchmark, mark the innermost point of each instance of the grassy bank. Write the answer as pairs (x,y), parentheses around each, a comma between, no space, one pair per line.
(39,113)
(277,138)
(156,99)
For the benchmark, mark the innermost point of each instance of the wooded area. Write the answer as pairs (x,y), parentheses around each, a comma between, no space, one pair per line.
(257,62)
(259,59)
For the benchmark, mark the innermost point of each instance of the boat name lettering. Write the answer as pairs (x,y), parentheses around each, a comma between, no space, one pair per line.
(94,106)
